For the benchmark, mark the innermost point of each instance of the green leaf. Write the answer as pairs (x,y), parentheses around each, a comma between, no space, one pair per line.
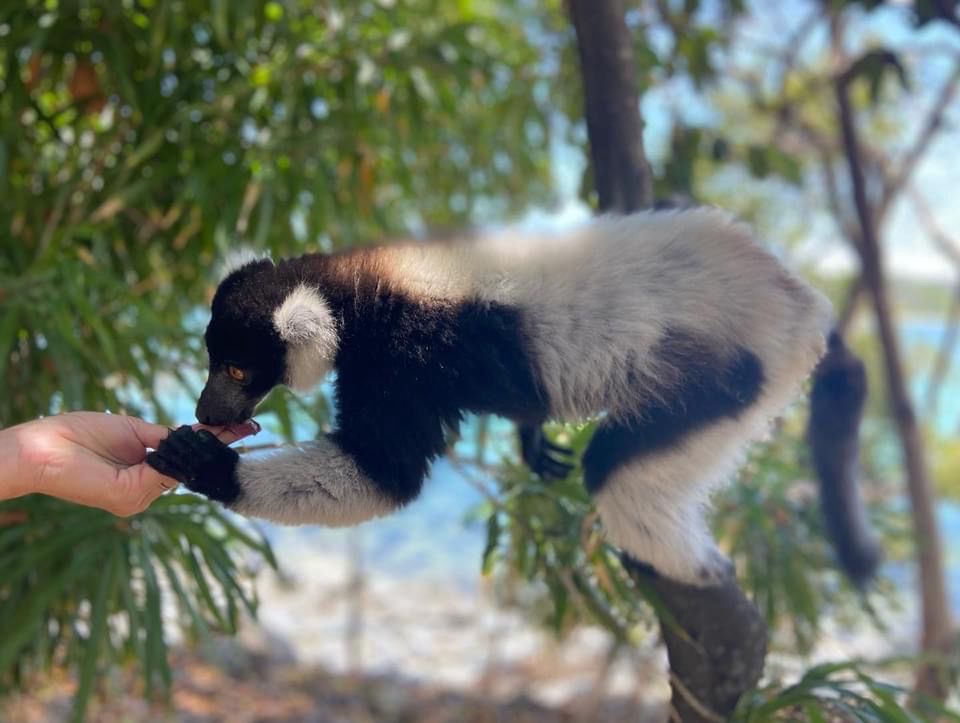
(758,161)
(493,539)
(98,632)
(813,713)
(874,66)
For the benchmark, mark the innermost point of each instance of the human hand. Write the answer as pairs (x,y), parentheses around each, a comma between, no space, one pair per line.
(97,459)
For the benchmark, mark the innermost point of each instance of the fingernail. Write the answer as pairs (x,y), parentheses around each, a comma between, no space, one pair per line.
(255,424)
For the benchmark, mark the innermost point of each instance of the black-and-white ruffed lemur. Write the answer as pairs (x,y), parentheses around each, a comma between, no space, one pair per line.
(674,328)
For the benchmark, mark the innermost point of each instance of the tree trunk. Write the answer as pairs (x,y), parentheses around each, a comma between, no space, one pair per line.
(720,651)
(937,627)
(612,106)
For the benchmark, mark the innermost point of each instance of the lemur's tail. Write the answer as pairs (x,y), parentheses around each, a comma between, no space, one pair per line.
(836,407)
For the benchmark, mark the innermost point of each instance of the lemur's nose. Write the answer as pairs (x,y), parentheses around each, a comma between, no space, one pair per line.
(215,411)
(207,412)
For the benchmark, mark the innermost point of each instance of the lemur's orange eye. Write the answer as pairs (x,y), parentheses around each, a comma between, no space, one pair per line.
(237,373)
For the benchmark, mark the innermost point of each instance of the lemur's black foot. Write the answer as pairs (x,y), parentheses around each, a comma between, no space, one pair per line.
(548,460)
(200,461)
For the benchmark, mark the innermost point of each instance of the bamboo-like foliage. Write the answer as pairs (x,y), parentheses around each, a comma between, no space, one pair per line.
(139,141)
(81,586)
(768,521)
(852,691)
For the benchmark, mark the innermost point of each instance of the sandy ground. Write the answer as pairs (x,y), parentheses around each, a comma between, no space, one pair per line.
(338,642)
(205,692)
(335,643)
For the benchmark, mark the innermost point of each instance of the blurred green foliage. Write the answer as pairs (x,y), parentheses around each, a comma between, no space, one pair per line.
(139,141)
(81,586)
(850,691)
(545,539)
(548,535)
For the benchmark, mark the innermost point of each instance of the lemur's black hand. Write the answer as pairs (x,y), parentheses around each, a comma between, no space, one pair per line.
(550,461)
(200,461)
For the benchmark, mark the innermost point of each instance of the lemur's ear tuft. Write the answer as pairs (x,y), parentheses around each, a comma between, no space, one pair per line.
(305,323)
(237,258)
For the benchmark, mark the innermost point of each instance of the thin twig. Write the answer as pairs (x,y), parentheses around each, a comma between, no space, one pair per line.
(249,448)
(928,132)
(694,702)
(849,307)
(53,220)
(948,246)
(474,481)
(47,120)
(945,351)
(590,710)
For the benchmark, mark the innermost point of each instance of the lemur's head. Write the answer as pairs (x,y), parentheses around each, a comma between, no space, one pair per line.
(265,329)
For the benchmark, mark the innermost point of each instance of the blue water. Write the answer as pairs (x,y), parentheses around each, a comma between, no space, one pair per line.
(433,537)
(921,338)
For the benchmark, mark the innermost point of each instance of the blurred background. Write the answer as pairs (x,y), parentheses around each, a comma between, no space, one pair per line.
(140,140)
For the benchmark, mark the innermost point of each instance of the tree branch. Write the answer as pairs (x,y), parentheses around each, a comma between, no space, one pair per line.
(936,613)
(620,171)
(921,144)
(945,353)
(948,246)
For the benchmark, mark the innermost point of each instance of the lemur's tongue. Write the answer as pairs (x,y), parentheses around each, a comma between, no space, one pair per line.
(244,429)
(232,432)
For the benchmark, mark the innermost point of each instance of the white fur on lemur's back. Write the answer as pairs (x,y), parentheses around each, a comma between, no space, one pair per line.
(597,299)
(305,323)
(600,299)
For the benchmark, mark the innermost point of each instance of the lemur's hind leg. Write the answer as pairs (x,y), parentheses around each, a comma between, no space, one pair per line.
(651,475)
(648,512)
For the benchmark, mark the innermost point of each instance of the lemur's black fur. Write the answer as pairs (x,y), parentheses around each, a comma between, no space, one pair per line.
(406,370)
(707,394)
(431,366)
(836,408)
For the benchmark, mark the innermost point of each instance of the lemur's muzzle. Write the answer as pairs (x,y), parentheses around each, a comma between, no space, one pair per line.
(222,402)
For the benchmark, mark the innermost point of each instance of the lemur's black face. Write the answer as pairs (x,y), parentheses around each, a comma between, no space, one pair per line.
(245,351)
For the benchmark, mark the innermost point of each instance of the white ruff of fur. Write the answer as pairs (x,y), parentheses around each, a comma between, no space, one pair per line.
(236,259)
(305,323)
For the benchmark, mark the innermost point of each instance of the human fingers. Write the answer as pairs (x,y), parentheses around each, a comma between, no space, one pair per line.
(148,434)
(85,478)
(117,438)
(138,487)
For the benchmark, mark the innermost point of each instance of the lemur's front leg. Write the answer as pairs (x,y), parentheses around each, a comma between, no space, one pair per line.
(315,482)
